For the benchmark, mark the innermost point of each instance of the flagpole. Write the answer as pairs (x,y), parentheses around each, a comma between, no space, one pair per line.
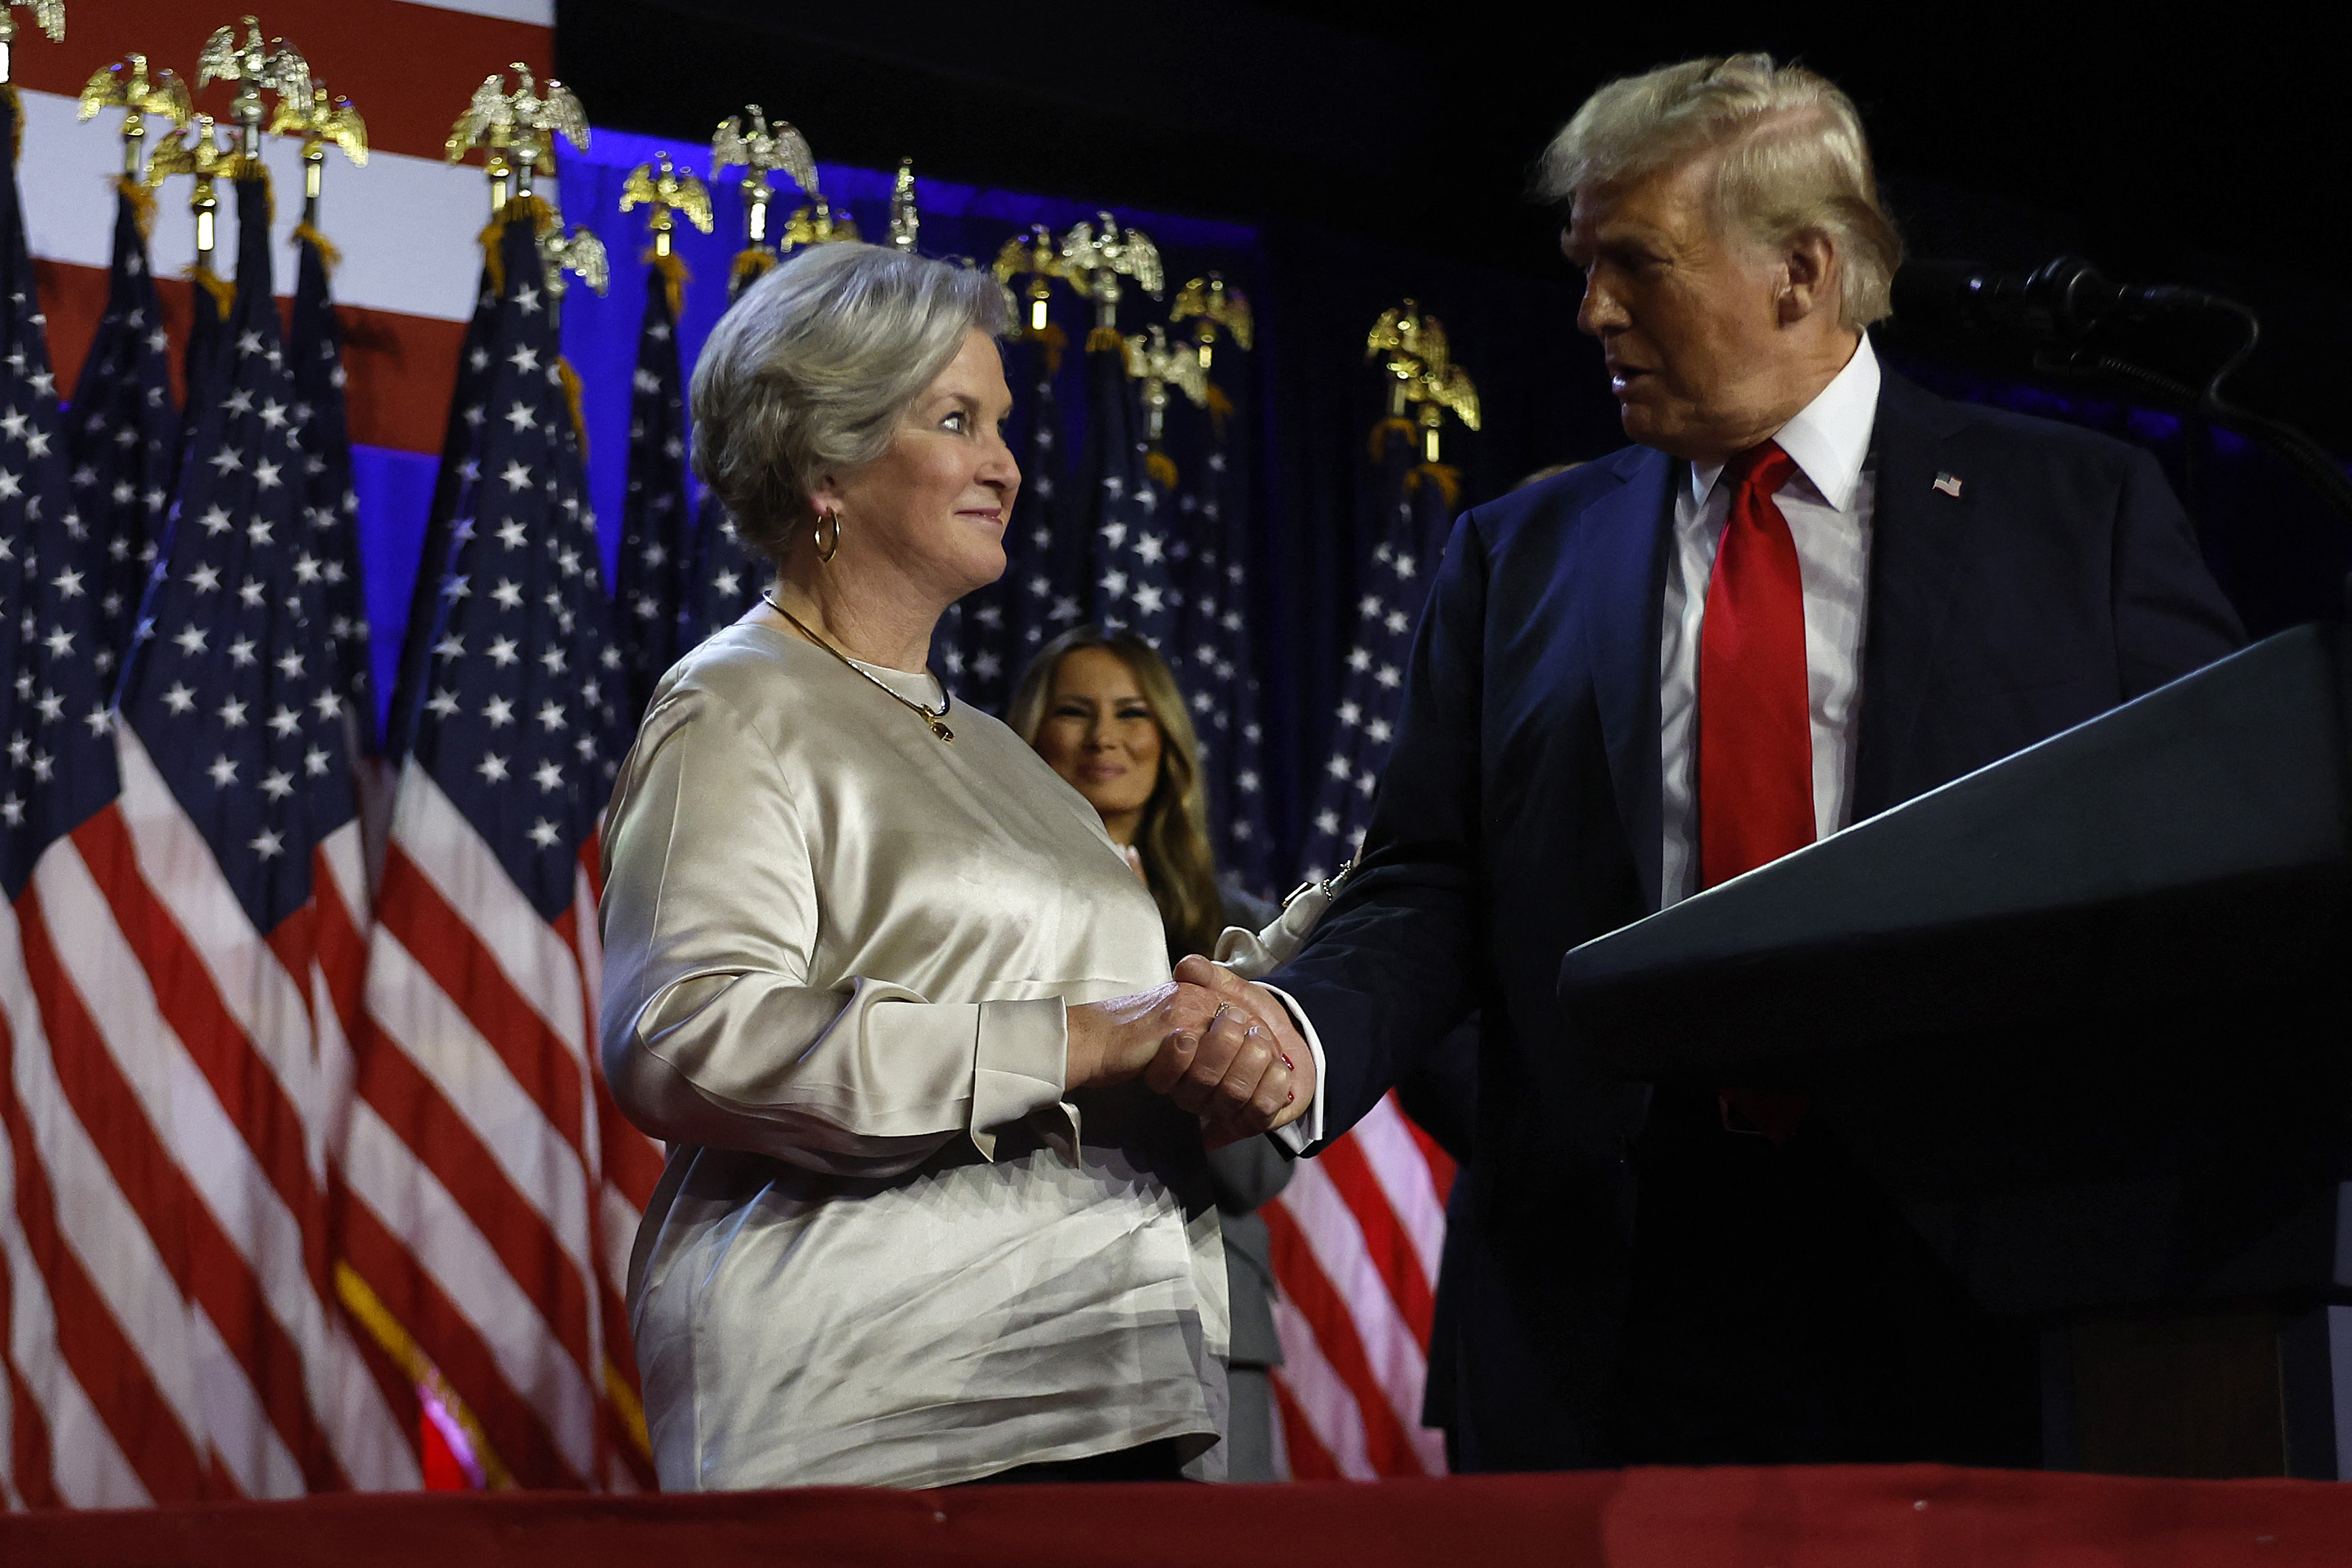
(1124,548)
(254,66)
(761,151)
(321,120)
(652,581)
(1035,582)
(725,576)
(128,85)
(906,222)
(667,190)
(1214,633)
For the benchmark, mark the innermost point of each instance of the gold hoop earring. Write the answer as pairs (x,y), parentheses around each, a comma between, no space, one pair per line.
(826,543)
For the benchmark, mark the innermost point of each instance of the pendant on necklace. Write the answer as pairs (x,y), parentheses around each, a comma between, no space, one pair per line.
(939,729)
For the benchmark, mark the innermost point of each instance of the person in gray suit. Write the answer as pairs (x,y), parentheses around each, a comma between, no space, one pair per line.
(1104,711)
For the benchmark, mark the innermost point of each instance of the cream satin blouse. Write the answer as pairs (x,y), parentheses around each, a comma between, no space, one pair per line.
(888,1249)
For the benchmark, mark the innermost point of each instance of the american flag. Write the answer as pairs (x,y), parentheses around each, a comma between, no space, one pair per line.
(461,437)
(496,1189)
(1411,502)
(650,578)
(724,576)
(331,510)
(1044,563)
(123,434)
(725,579)
(173,995)
(1213,640)
(1358,1233)
(90,1421)
(1128,533)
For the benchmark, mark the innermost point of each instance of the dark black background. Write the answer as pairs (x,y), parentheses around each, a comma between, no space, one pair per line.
(1385,150)
(2204,146)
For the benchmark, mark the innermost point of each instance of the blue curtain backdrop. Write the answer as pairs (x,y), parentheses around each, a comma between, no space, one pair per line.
(2277,551)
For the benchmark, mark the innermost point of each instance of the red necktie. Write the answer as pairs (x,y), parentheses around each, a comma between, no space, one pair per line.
(1755,724)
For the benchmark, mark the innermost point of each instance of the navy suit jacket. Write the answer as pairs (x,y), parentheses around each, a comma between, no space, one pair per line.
(1519,814)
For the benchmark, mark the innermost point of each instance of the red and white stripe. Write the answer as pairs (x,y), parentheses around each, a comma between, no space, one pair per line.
(405,223)
(492,1190)
(198,1126)
(1356,1240)
(172,1331)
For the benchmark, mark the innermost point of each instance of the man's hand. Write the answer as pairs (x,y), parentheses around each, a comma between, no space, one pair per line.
(1248,1072)
(1112,1041)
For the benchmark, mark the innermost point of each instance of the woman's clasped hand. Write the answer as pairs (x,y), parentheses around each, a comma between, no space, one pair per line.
(1212,1042)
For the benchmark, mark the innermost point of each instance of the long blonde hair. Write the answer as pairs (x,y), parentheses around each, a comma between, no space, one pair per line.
(1173,839)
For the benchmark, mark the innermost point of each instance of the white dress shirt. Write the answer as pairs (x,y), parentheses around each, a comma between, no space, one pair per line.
(1827,502)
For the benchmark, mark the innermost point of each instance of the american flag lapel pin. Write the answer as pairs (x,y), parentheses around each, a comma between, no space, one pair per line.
(1949,484)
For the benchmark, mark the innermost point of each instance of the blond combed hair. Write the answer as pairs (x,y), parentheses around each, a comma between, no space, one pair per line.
(1793,159)
(1178,867)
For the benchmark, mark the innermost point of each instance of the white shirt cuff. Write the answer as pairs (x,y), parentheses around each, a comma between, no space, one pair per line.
(1307,1131)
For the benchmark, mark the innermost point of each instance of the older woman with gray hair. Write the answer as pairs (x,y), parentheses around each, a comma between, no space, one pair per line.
(937,1206)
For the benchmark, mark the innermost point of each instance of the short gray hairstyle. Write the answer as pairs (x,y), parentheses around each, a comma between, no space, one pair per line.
(810,370)
(1795,159)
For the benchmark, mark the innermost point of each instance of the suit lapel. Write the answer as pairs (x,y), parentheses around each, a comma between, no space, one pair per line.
(1919,540)
(1625,583)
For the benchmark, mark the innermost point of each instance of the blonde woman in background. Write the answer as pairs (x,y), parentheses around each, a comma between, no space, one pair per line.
(1104,711)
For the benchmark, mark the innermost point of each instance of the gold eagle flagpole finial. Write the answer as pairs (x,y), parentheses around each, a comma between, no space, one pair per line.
(48,15)
(669,191)
(1159,365)
(1032,256)
(516,129)
(194,151)
(580,253)
(1096,263)
(254,66)
(817,223)
(128,85)
(904,221)
(1411,346)
(1210,305)
(760,150)
(324,121)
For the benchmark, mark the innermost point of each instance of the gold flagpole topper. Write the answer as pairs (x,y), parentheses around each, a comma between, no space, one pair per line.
(760,152)
(277,66)
(1411,348)
(48,15)
(322,121)
(128,86)
(516,129)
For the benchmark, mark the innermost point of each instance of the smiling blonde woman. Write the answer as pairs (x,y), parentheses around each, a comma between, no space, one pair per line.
(1105,712)
(937,1206)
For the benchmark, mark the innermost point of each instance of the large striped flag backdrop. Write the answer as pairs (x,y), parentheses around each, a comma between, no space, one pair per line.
(88,1420)
(173,1047)
(1357,1232)
(494,1190)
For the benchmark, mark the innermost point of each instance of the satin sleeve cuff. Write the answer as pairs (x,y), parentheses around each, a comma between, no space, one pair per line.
(1020,1066)
(1307,1131)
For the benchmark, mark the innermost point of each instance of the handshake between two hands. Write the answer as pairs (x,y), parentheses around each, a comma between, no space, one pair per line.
(1217,1044)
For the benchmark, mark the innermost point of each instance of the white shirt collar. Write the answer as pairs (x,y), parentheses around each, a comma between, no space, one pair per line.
(1829,439)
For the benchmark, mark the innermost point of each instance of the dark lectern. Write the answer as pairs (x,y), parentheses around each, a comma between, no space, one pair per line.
(2087,1015)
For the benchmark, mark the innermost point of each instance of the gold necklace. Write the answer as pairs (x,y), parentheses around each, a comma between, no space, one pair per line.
(933,719)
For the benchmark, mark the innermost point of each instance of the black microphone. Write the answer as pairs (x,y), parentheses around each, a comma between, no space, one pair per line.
(2059,310)
(2063,301)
